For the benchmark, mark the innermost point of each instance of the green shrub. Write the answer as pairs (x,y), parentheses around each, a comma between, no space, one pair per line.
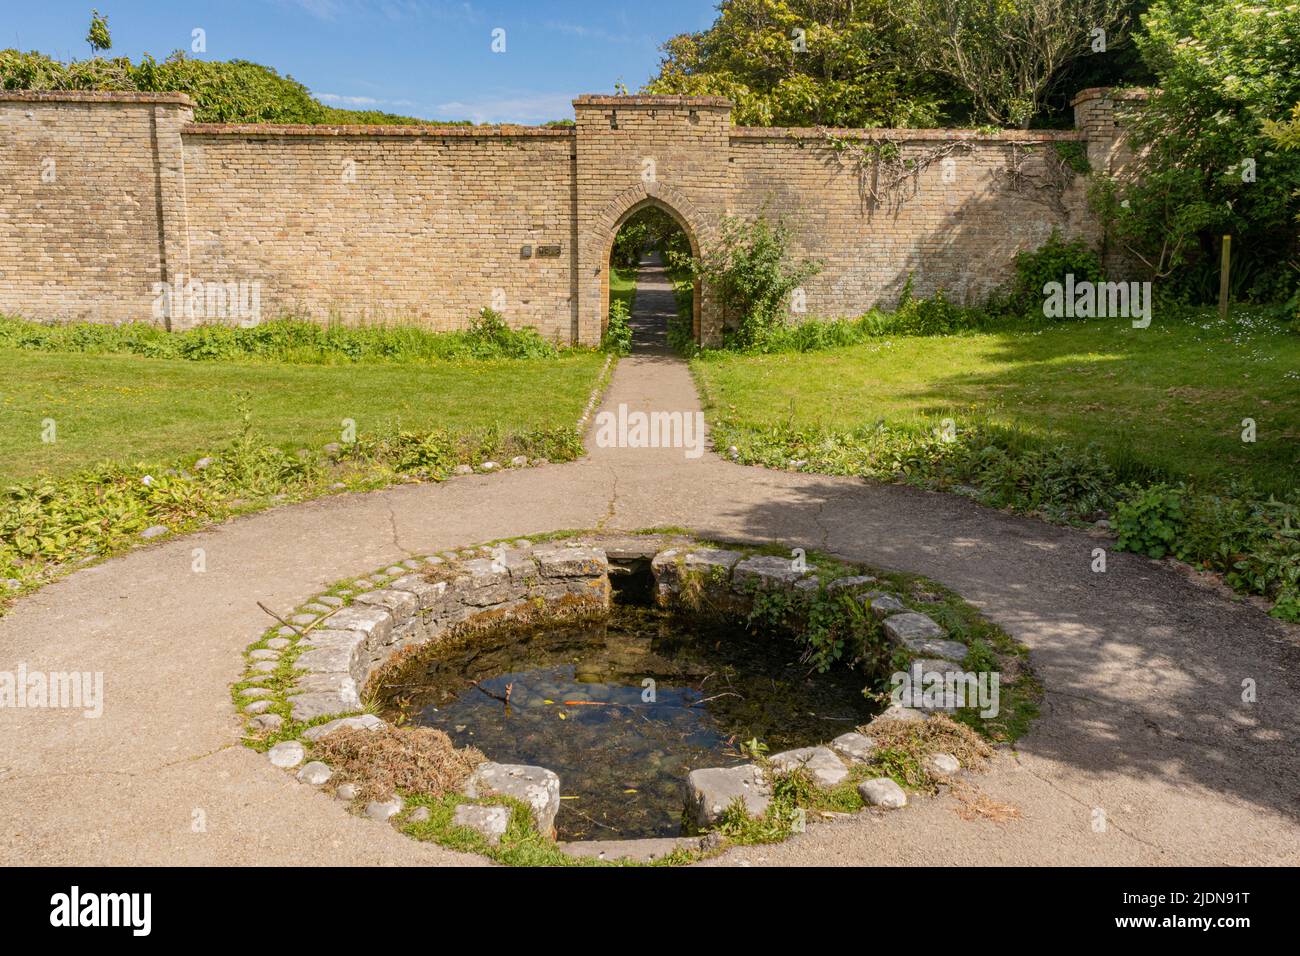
(1074,155)
(1253,541)
(232,91)
(932,316)
(1057,482)
(617,337)
(750,270)
(490,337)
(1204,165)
(1050,262)
(681,326)
(1151,521)
(49,522)
(282,340)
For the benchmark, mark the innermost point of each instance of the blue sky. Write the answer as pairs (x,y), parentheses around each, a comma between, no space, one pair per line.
(427,58)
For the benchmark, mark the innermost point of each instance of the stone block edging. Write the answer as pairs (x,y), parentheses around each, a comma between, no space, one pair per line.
(318,663)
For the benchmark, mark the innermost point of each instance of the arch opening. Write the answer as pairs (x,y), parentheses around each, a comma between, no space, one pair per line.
(650,225)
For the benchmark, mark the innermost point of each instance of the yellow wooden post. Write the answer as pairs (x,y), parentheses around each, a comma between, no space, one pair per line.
(1224,267)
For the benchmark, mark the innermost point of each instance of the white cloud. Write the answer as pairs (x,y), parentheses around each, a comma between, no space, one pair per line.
(321,9)
(347,100)
(507,108)
(592,33)
(361,102)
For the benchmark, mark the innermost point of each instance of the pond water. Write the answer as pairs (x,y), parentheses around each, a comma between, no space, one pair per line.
(623,709)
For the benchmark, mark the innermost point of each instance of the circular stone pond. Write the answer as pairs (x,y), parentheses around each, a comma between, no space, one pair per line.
(619,692)
(624,707)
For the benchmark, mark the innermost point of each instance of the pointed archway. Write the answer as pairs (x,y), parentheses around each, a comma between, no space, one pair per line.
(604,230)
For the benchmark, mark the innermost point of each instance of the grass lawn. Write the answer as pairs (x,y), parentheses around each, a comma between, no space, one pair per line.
(127,408)
(622,287)
(1172,396)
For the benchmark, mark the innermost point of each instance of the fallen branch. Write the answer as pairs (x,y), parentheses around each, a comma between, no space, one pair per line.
(301,632)
(505,700)
(714,697)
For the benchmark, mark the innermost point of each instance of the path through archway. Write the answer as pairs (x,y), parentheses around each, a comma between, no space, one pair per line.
(598,246)
(648,284)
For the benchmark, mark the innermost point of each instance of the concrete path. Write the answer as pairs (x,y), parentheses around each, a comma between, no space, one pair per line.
(1143,718)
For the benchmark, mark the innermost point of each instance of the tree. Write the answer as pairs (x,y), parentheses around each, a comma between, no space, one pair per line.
(1285,134)
(1007,54)
(1120,64)
(97,36)
(807,63)
(1228,75)
(648,229)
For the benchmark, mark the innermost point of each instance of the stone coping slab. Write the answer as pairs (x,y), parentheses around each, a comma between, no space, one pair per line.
(646,850)
(423,131)
(902,135)
(93,96)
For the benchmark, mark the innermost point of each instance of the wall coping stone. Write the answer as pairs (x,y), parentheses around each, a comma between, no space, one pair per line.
(432,130)
(653,101)
(1108,92)
(94,96)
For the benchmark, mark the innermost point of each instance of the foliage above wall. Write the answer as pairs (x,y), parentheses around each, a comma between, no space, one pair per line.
(233,91)
(1228,75)
(847,68)
(1007,56)
(902,63)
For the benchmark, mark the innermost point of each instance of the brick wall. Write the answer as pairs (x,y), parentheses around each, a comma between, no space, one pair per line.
(950,208)
(430,224)
(86,207)
(396,224)
(639,150)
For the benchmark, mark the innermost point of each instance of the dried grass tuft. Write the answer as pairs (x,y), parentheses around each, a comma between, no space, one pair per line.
(938,734)
(407,759)
(974,804)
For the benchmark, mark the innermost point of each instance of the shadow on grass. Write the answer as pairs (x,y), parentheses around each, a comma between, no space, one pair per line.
(1157,404)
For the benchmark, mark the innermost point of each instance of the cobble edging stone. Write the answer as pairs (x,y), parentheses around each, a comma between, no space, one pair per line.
(336,650)
(317,664)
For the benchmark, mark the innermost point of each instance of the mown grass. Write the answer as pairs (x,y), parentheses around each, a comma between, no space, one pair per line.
(285,339)
(1169,399)
(622,287)
(132,409)
(95,448)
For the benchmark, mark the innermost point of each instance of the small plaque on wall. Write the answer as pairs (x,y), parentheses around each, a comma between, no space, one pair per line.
(548,252)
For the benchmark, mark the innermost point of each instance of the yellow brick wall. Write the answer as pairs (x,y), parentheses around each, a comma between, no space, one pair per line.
(365,228)
(82,203)
(429,225)
(954,224)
